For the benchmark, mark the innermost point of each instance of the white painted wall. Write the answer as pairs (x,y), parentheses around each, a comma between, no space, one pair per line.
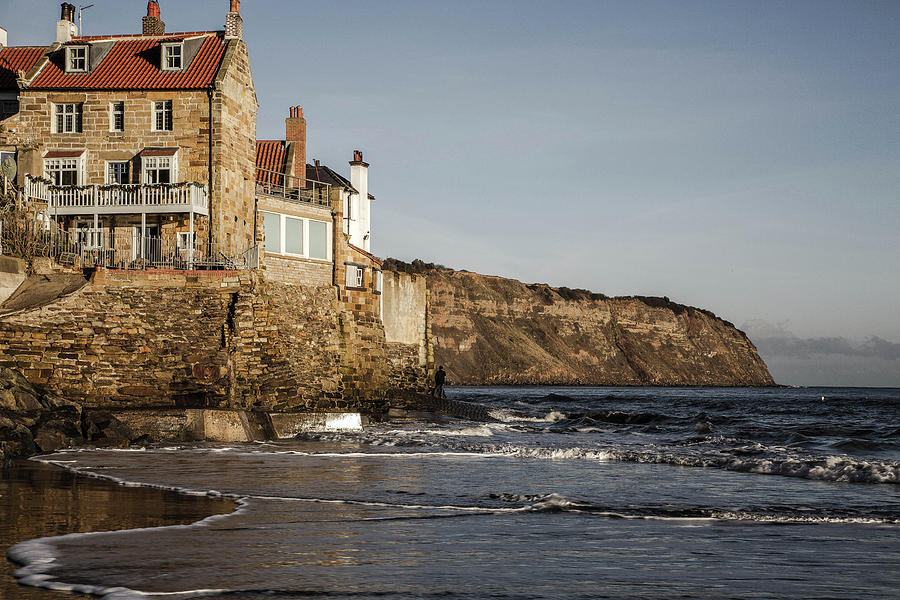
(360,228)
(3,38)
(65,30)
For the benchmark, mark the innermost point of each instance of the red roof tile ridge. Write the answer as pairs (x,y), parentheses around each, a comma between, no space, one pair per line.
(129,36)
(366,254)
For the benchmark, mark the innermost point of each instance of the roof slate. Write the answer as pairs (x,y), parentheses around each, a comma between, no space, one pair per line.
(14,59)
(133,63)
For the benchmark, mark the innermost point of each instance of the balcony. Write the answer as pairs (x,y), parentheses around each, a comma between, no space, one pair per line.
(286,187)
(119,199)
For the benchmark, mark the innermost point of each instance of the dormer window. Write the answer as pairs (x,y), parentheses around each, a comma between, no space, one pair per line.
(76,59)
(172,57)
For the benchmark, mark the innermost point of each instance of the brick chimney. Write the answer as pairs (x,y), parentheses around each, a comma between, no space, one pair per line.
(152,24)
(295,131)
(234,24)
(65,27)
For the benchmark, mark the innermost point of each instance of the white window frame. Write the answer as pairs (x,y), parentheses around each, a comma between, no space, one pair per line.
(356,276)
(157,164)
(183,241)
(379,280)
(76,162)
(282,219)
(113,113)
(109,164)
(170,57)
(163,109)
(77,53)
(68,117)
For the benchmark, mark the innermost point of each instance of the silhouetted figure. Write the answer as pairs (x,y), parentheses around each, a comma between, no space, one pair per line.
(439,378)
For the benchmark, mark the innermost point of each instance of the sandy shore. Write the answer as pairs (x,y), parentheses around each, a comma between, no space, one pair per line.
(39,500)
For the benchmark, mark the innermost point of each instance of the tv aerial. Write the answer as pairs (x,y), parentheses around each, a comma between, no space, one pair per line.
(81,10)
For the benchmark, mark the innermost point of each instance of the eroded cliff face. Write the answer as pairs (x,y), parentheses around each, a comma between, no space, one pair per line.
(495,331)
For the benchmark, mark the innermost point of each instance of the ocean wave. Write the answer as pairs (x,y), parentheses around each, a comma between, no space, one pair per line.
(505,415)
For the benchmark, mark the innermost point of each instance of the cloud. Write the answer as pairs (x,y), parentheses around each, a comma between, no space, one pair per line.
(831,361)
(779,341)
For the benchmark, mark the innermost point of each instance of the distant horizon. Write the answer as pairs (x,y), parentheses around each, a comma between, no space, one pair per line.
(732,156)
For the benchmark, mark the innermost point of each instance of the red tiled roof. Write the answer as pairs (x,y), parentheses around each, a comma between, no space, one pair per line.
(15,59)
(125,36)
(271,155)
(128,66)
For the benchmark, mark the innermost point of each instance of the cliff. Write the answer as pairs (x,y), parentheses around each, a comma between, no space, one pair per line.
(490,330)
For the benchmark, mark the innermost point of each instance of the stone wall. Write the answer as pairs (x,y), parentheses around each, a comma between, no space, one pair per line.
(235,106)
(201,340)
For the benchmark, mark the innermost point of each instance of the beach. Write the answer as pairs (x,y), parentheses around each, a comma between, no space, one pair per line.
(564,493)
(38,500)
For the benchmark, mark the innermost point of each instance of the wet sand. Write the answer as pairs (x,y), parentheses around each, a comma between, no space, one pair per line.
(39,500)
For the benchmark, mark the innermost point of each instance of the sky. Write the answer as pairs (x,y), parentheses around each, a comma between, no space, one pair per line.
(736,156)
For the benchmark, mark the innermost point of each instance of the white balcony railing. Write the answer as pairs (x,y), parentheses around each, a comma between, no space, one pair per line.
(119,199)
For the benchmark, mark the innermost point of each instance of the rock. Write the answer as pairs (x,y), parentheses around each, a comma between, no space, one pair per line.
(57,433)
(16,442)
(102,429)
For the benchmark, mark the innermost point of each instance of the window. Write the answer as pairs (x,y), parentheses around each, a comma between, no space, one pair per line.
(158,169)
(318,240)
(272,223)
(172,57)
(8,108)
(293,236)
(296,236)
(379,282)
(118,172)
(76,59)
(117,116)
(62,171)
(355,276)
(68,118)
(162,115)
(186,241)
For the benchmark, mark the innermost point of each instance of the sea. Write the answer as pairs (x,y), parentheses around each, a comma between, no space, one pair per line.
(568,493)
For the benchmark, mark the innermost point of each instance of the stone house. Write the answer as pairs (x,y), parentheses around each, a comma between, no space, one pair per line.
(139,145)
(314,224)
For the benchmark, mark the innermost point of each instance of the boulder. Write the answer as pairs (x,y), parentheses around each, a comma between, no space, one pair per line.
(102,429)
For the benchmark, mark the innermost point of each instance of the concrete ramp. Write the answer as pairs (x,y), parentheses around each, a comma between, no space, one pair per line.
(12,275)
(450,408)
(41,290)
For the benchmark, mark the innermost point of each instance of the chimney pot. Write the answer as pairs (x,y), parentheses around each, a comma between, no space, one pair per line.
(357,156)
(235,6)
(153,9)
(67,13)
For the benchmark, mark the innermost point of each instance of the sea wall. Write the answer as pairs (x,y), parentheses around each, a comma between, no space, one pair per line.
(490,330)
(205,339)
(408,336)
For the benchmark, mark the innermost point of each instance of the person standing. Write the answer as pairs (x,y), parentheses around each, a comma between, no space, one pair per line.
(439,378)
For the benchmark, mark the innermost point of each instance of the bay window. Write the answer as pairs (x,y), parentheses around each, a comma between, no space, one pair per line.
(296,236)
(158,169)
(63,171)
